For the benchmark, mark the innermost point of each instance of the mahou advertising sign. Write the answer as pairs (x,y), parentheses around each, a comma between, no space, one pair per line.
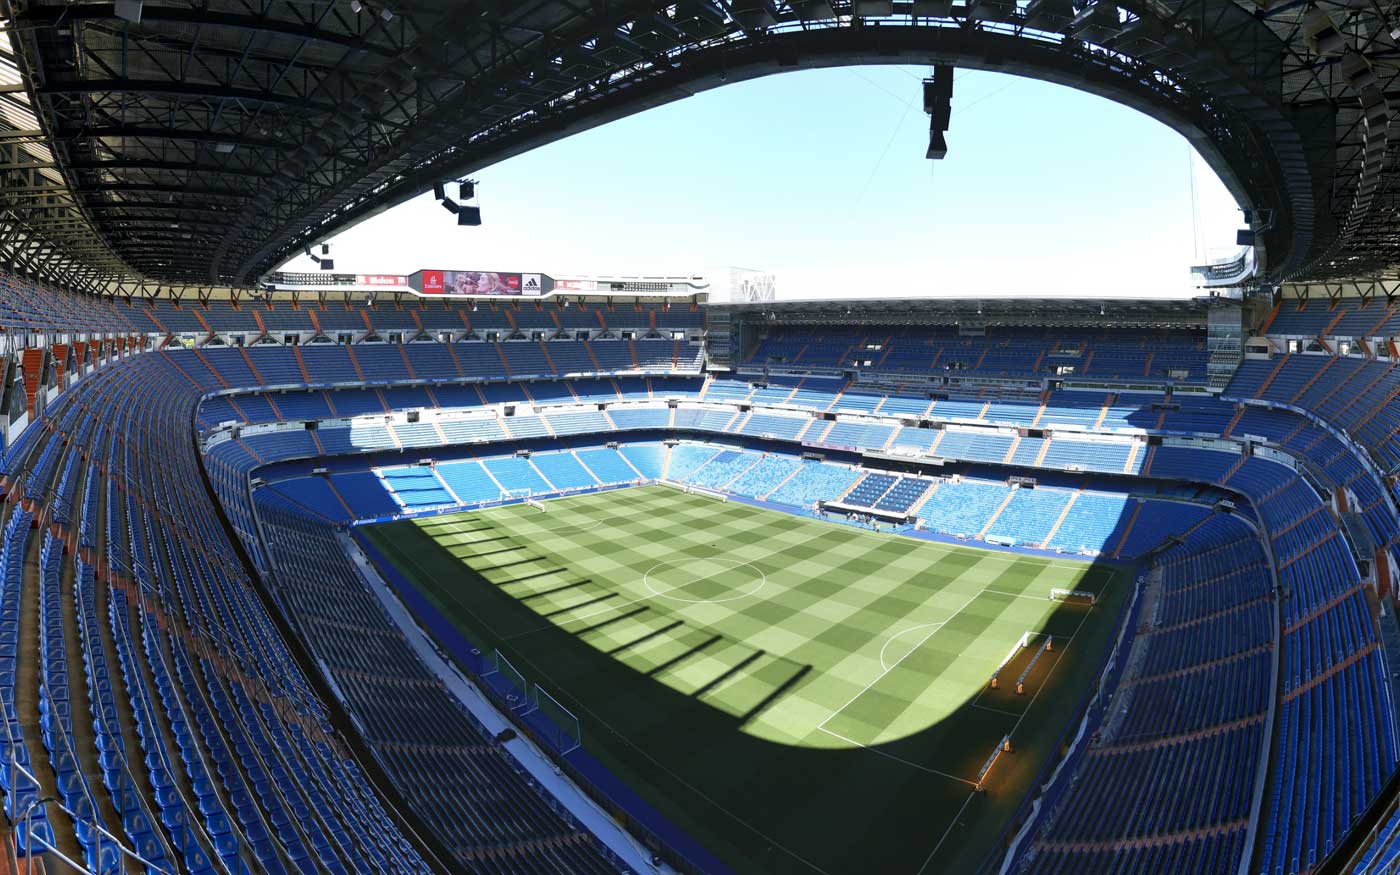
(381,279)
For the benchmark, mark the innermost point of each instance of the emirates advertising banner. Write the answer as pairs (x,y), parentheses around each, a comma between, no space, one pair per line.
(479,282)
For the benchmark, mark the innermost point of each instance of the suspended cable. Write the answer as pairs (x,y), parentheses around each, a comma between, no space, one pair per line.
(1196,241)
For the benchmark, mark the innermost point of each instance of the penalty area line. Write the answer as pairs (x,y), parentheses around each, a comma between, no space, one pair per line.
(953,823)
(932,627)
(912,765)
(1018,595)
(922,641)
(1061,646)
(933,853)
(1045,683)
(998,710)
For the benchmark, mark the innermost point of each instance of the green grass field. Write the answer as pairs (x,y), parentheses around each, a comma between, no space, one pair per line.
(800,696)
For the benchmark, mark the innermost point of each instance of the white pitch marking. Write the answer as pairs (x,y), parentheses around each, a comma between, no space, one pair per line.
(646,581)
(997,710)
(612,606)
(952,824)
(891,668)
(902,632)
(931,771)
(1018,595)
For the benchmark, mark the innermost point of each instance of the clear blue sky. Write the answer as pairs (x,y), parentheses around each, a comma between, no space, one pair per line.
(819,177)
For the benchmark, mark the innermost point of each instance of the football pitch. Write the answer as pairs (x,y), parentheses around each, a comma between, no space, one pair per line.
(800,696)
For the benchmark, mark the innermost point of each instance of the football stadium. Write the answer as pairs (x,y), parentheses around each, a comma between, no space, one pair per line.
(307,571)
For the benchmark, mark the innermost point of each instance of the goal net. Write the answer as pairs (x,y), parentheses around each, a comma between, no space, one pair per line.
(545,716)
(1024,641)
(537,505)
(561,728)
(1082,596)
(708,493)
(510,683)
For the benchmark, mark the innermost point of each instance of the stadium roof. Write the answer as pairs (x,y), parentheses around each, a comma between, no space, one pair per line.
(213,139)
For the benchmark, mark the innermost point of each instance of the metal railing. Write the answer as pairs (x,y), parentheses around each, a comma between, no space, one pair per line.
(31,837)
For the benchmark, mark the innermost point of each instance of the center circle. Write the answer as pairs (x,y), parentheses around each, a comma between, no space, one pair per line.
(665,592)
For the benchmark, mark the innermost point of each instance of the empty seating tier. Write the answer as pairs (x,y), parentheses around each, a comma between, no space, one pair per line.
(1247,716)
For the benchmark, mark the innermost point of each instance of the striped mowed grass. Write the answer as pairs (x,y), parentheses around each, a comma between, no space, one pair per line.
(799,695)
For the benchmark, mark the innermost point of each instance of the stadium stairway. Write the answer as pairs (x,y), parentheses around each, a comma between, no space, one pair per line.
(32,363)
(1001,508)
(1302,390)
(1264,387)
(1160,840)
(1127,530)
(87,751)
(1190,737)
(81,740)
(27,699)
(781,483)
(157,734)
(40,584)
(1060,520)
(123,720)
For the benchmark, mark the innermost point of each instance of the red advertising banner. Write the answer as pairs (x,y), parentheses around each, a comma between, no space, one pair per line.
(380,279)
(432,282)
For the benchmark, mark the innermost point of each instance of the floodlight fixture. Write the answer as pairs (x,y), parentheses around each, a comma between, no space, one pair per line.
(466,190)
(938,103)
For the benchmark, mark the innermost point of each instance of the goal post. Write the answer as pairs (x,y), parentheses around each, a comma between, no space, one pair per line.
(545,715)
(537,505)
(518,691)
(561,728)
(1022,642)
(707,492)
(1060,594)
